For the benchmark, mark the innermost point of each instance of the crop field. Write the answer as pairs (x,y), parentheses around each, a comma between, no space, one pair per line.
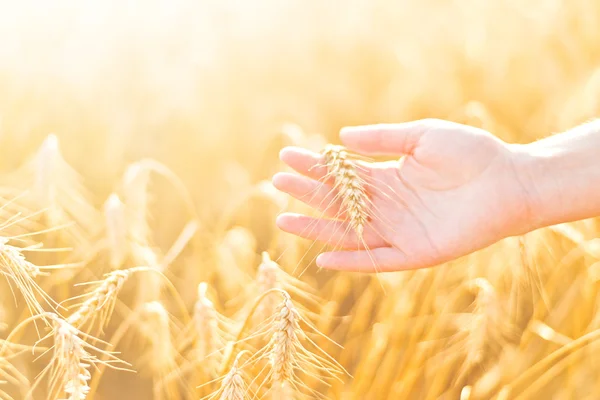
(139,256)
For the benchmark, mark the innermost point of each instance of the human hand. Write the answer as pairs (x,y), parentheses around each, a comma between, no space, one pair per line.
(454,190)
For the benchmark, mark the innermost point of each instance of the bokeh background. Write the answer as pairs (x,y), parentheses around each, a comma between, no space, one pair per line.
(201,83)
(214,89)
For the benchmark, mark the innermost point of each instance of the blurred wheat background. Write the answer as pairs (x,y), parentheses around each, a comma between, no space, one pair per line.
(173,114)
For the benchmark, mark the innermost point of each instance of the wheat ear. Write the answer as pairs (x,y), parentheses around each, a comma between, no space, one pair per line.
(267,278)
(283,357)
(210,337)
(58,188)
(100,302)
(22,273)
(350,187)
(72,362)
(161,358)
(155,327)
(487,330)
(288,356)
(233,386)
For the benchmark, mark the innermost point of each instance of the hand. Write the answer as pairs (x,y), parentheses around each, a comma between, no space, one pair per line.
(454,190)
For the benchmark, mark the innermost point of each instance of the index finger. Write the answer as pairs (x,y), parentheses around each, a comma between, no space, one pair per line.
(305,162)
(313,165)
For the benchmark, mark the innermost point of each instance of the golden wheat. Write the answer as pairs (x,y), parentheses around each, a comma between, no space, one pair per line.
(349,186)
(233,386)
(516,320)
(116,230)
(100,302)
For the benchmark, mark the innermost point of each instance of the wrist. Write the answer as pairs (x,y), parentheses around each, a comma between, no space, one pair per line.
(558,177)
(524,198)
(534,181)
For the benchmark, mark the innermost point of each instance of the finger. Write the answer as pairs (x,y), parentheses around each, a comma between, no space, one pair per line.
(316,194)
(383,259)
(305,162)
(385,139)
(333,232)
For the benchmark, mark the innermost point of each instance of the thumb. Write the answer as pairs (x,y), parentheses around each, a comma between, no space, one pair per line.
(384,139)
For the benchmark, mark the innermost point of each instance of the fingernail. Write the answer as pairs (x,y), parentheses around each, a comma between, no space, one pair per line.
(351,132)
(279,221)
(283,152)
(276,179)
(321,260)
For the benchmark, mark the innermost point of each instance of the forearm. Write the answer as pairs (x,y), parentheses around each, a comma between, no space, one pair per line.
(561,175)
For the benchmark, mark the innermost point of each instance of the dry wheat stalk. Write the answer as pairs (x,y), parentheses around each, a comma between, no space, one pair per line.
(487,329)
(136,198)
(233,385)
(210,338)
(3,324)
(207,335)
(22,273)
(155,326)
(100,302)
(9,374)
(3,394)
(206,323)
(288,356)
(349,186)
(57,188)
(267,278)
(116,230)
(282,357)
(71,360)
(160,358)
(285,353)
(271,276)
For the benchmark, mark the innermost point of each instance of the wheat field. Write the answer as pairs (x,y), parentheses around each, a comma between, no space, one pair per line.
(139,256)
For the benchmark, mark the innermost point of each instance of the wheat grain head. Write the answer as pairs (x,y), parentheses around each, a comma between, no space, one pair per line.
(348,185)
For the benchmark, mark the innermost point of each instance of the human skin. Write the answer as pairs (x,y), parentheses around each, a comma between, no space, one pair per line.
(455,189)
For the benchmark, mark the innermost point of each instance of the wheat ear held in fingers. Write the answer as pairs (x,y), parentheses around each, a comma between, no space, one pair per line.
(348,185)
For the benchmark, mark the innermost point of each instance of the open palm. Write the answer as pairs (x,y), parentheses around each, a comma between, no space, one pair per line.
(453,191)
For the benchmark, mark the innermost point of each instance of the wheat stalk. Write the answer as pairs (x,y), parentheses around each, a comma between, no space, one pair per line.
(155,327)
(100,302)
(71,360)
(233,385)
(9,374)
(288,356)
(116,230)
(160,358)
(348,184)
(487,330)
(136,181)
(57,187)
(206,323)
(283,358)
(270,276)
(3,324)
(267,278)
(23,274)
(210,338)
(136,198)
